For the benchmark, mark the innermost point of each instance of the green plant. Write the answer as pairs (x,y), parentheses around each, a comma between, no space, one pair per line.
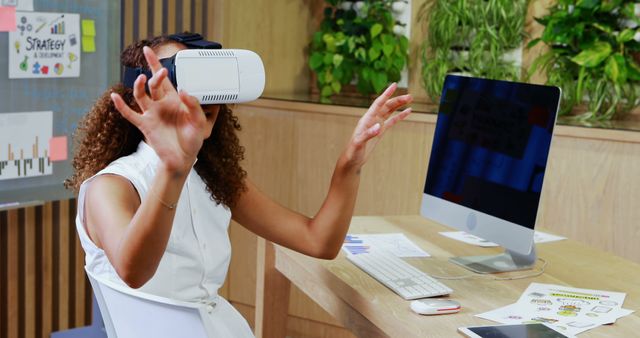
(356,41)
(591,47)
(470,37)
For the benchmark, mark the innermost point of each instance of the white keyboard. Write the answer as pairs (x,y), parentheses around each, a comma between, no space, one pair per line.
(399,276)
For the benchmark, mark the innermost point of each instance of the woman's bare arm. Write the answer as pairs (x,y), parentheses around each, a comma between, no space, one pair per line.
(323,235)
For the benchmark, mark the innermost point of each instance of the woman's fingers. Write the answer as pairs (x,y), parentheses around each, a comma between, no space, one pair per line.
(401,116)
(382,99)
(140,94)
(394,103)
(155,84)
(371,132)
(152,59)
(380,127)
(126,111)
(193,105)
(156,66)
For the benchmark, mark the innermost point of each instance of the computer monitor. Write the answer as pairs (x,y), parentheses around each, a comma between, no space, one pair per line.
(487,165)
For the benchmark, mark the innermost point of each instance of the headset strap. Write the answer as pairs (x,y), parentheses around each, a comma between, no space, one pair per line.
(191,40)
(131,73)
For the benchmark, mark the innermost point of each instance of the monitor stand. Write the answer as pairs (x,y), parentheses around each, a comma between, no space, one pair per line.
(508,261)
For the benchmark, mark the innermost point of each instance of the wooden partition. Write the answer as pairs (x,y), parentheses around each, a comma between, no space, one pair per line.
(43,287)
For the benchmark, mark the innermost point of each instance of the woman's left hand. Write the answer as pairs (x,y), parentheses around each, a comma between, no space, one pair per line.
(374,123)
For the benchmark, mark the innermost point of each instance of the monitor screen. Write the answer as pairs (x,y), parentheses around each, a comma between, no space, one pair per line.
(491,145)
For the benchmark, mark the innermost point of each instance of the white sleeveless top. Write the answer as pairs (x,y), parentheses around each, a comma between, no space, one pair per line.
(196,260)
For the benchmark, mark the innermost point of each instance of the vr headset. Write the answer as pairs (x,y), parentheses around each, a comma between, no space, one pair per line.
(206,71)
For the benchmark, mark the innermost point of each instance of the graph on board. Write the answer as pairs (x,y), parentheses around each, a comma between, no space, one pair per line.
(24,144)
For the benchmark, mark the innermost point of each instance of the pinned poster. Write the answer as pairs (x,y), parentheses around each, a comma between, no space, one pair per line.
(45,45)
(7,19)
(20,5)
(24,5)
(24,144)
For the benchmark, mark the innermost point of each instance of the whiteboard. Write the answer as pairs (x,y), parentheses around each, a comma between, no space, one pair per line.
(68,98)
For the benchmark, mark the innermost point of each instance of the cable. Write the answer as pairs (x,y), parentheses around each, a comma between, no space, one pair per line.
(477,276)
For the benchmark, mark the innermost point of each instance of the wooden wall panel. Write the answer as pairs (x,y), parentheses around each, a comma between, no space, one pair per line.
(42,283)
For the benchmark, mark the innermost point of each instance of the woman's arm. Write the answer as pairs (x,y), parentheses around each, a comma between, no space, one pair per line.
(134,233)
(323,235)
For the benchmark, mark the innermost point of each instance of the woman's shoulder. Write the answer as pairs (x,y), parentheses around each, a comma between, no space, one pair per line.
(138,168)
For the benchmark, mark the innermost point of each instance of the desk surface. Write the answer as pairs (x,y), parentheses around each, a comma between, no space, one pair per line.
(369,309)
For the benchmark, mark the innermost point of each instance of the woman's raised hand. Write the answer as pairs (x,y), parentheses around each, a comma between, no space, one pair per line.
(375,122)
(172,123)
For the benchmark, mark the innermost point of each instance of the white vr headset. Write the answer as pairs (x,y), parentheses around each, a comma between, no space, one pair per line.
(211,74)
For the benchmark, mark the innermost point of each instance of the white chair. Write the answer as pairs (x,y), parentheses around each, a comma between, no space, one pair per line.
(128,313)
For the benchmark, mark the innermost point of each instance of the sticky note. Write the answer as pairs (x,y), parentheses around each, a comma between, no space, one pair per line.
(88,27)
(7,19)
(58,148)
(88,44)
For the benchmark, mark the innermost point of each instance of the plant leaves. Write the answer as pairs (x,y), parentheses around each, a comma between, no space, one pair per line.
(337,59)
(387,49)
(316,60)
(326,91)
(330,41)
(379,81)
(533,42)
(374,53)
(589,4)
(336,86)
(593,56)
(625,35)
(375,30)
(633,70)
(328,58)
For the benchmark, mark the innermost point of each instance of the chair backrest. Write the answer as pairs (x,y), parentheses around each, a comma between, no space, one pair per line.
(128,313)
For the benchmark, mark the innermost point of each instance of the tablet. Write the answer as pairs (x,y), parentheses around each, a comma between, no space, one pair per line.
(537,330)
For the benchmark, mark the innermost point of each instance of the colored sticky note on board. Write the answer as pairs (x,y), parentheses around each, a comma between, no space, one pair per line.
(88,27)
(88,44)
(58,148)
(7,19)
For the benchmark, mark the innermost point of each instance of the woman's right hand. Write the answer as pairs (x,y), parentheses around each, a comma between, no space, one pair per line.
(172,123)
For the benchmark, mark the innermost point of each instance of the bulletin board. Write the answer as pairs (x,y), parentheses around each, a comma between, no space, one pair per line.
(55,94)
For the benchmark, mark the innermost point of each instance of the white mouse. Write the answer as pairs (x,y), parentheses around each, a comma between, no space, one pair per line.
(435,306)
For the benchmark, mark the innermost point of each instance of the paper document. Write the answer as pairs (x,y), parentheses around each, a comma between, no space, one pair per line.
(538,237)
(395,243)
(569,310)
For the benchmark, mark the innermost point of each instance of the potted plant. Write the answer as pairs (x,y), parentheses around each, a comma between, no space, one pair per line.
(478,38)
(356,43)
(591,56)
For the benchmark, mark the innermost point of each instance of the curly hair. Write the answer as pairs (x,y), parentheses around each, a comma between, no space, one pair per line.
(104,135)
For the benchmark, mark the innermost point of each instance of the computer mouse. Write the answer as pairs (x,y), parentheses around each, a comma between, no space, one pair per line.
(435,306)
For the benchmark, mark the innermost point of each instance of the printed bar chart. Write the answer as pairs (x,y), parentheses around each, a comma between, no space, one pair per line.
(24,144)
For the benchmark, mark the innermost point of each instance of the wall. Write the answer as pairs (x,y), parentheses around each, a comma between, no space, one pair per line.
(42,283)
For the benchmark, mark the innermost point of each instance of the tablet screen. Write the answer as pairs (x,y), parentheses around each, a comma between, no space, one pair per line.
(516,331)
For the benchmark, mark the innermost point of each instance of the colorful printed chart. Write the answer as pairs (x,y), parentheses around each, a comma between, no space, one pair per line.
(569,310)
(45,45)
(395,243)
(24,144)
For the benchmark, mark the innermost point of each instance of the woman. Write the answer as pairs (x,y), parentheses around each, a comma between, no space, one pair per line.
(157,188)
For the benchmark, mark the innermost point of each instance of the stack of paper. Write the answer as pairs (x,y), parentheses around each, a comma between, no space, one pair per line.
(395,243)
(569,310)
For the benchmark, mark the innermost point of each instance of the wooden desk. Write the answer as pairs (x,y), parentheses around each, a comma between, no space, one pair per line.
(369,309)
